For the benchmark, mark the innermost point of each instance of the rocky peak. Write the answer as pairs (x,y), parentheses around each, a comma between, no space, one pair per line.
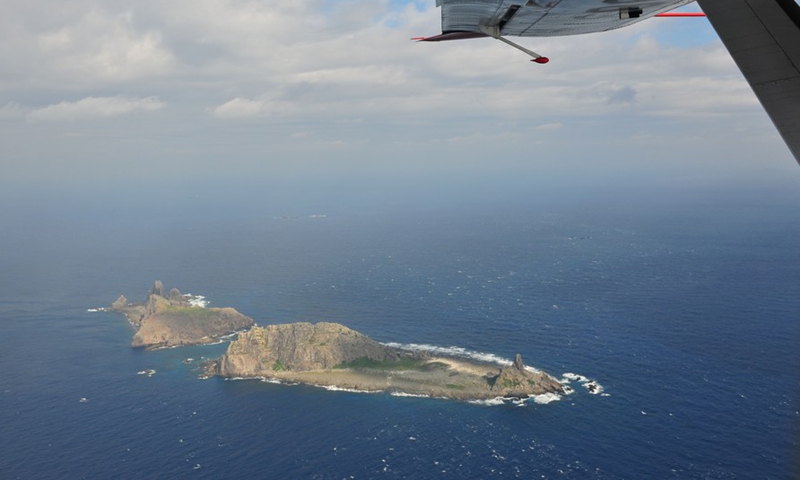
(155,304)
(516,381)
(121,302)
(158,289)
(175,295)
(518,365)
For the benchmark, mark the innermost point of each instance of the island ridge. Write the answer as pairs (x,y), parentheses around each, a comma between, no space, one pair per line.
(170,319)
(322,354)
(330,354)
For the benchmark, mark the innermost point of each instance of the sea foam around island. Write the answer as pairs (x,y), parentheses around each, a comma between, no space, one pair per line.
(457,352)
(196,300)
(591,385)
(543,399)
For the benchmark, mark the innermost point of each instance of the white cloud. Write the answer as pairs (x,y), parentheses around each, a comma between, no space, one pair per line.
(248,75)
(549,126)
(12,110)
(315,59)
(108,47)
(92,107)
(80,43)
(240,108)
(246,108)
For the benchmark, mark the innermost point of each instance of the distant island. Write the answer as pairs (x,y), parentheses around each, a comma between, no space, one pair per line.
(323,354)
(173,319)
(332,355)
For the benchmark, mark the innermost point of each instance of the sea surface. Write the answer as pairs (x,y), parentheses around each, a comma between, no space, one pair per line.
(683,304)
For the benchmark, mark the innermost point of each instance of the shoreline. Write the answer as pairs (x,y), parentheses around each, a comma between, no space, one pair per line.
(443,377)
(168,320)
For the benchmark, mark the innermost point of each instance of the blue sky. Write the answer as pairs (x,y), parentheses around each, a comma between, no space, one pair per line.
(93,91)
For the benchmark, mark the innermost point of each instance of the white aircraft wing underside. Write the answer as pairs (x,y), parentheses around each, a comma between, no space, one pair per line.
(763,37)
(546,18)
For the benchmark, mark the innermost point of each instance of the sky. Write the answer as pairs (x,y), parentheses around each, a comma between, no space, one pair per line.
(99,91)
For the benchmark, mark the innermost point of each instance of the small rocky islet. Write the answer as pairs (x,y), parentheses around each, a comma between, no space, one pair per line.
(169,319)
(323,354)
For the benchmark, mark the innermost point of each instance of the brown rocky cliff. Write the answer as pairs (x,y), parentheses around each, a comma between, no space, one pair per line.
(308,353)
(165,322)
(158,289)
(155,304)
(120,303)
(299,347)
(517,381)
(170,326)
(175,297)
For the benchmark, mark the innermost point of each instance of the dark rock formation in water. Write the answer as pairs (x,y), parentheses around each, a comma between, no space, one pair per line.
(172,321)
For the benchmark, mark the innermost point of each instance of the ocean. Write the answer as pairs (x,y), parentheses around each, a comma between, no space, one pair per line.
(682,303)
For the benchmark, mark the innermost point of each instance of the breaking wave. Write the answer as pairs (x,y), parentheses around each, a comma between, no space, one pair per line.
(334,388)
(456,352)
(489,402)
(403,394)
(542,399)
(196,300)
(232,335)
(573,376)
(546,398)
(587,383)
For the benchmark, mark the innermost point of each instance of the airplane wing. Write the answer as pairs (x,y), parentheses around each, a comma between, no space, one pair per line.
(545,18)
(763,37)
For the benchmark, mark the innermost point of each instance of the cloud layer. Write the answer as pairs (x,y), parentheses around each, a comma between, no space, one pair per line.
(248,78)
(92,107)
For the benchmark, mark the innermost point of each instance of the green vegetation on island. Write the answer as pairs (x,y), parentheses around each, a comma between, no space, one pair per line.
(366,363)
(169,319)
(330,354)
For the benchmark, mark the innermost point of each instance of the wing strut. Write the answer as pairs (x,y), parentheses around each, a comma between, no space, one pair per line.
(494,32)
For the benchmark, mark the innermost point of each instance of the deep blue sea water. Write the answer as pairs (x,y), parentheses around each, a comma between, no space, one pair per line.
(684,305)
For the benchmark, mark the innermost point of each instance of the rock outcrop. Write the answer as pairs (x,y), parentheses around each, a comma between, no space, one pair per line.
(300,347)
(330,354)
(172,321)
(176,297)
(158,289)
(120,303)
(516,381)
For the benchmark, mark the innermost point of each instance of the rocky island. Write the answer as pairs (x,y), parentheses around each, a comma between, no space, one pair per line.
(171,319)
(329,354)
